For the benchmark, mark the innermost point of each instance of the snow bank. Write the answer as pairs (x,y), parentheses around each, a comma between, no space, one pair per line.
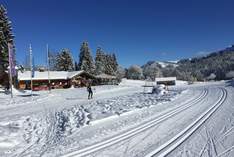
(67,120)
(160,90)
(127,82)
(180,82)
(137,83)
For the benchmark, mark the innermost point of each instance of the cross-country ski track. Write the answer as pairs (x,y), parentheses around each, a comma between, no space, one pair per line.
(130,133)
(171,144)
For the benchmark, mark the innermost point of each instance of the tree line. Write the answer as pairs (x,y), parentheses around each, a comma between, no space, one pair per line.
(103,63)
(215,66)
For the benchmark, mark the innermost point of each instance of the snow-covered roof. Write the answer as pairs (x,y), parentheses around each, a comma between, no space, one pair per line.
(165,79)
(55,75)
(105,76)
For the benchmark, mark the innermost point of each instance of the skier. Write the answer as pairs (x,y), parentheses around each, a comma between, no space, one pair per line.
(89,89)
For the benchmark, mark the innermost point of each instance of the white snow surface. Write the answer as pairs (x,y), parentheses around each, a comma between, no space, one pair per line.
(64,121)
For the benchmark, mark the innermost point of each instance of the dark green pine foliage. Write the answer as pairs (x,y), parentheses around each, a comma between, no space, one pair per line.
(6,37)
(85,59)
(64,61)
(111,64)
(108,66)
(99,61)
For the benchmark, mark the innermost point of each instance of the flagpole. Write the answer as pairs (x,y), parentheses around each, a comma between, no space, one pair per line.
(48,67)
(30,53)
(10,66)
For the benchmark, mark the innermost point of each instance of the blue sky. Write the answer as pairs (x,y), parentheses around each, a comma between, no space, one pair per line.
(136,30)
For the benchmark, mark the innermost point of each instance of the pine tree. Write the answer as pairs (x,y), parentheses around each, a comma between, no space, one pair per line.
(85,59)
(64,61)
(99,61)
(108,65)
(6,37)
(111,65)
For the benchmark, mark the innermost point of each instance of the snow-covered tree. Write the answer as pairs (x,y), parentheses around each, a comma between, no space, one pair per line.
(105,63)
(85,59)
(108,65)
(134,72)
(230,75)
(121,72)
(100,62)
(6,37)
(64,61)
(111,64)
(152,71)
(211,77)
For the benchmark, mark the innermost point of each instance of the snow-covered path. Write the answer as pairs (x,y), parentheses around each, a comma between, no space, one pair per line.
(167,133)
(195,120)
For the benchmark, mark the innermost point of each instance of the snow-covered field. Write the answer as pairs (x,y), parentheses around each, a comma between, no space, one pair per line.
(189,120)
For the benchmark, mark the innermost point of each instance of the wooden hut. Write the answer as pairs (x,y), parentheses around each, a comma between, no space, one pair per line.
(57,79)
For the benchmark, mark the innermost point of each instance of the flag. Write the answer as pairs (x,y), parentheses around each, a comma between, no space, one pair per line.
(11,54)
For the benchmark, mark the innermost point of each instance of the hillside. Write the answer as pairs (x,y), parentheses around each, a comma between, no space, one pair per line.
(214,66)
(217,65)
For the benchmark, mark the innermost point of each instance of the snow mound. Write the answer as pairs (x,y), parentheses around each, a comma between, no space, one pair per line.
(67,120)
(160,89)
(127,82)
(180,82)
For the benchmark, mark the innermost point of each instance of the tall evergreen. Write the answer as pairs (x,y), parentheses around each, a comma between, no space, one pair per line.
(108,65)
(6,37)
(64,61)
(85,59)
(99,61)
(111,64)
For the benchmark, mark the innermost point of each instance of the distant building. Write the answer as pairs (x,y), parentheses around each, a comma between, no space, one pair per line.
(166,80)
(58,79)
